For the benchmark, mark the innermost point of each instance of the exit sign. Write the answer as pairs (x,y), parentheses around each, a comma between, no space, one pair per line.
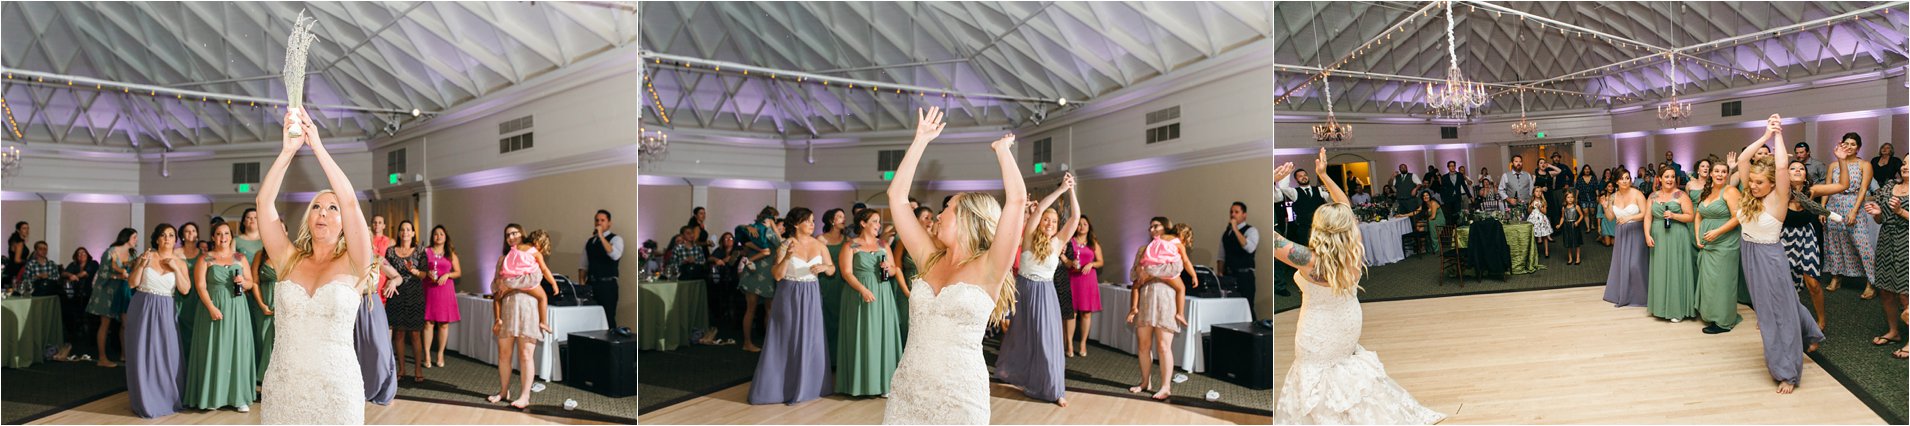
(1041,168)
(245,188)
(395,178)
(1541,135)
(888,175)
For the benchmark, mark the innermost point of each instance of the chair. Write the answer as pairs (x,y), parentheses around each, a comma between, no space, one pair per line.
(1417,242)
(1452,260)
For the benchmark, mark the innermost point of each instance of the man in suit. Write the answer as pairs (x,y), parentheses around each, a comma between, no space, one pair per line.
(1453,188)
(1515,186)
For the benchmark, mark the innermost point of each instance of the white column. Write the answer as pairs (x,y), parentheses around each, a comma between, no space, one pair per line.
(782,198)
(699,195)
(1883,135)
(1810,135)
(51,230)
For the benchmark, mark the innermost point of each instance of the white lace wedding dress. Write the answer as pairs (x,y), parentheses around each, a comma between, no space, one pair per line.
(942,378)
(314,377)
(1335,381)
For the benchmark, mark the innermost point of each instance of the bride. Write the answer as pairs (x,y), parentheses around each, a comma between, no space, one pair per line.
(1333,380)
(314,376)
(963,287)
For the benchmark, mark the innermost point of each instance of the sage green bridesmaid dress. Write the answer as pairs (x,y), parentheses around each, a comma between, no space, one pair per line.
(871,334)
(1718,267)
(262,323)
(1672,294)
(221,370)
(832,287)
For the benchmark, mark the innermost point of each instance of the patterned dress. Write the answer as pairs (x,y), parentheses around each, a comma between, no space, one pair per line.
(1800,246)
(1891,262)
(406,309)
(1848,247)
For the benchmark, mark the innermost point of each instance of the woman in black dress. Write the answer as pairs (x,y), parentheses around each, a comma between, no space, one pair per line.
(406,309)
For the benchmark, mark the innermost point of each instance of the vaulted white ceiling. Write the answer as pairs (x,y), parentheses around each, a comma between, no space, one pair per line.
(1077,50)
(1503,48)
(429,56)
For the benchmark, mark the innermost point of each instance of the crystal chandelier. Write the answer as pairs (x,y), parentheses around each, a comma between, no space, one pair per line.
(652,145)
(1458,96)
(1674,112)
(10,161)
(1332,132)
(1524,127)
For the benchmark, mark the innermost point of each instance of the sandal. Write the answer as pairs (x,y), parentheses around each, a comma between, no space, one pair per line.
(1880,341)
(1901,354)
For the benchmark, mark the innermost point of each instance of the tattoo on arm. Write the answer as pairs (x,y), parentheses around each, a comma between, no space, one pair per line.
(1300,256)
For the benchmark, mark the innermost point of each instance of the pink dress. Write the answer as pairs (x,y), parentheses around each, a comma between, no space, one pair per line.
(1162,258)
(1084,284)
(440,301)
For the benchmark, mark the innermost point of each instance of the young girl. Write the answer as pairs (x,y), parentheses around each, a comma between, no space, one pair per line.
(1572,223)
(1608,224)
(518,303)
(1157,268)
(1541,227)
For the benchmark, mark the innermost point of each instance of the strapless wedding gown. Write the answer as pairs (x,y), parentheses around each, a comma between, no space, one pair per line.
(942,378)
(1335,381)
(314,376)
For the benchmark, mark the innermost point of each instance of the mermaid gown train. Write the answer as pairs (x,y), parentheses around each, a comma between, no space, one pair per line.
(1335,381)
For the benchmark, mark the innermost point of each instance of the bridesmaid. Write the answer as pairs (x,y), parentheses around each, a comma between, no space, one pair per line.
(1718,271)
(871,344)
(794,365)
(154,364)
(111,294)
(187,308)
(1082,259)
(262,303)
(220,372)
(371,341)
(1671,293)
(1785,326)
(441,295)
(379,244)
(832,286)
(1030,355)
(1625,282)
(406,308)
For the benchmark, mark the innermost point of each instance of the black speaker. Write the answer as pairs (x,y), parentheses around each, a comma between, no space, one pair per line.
(602,362)
(1242,354)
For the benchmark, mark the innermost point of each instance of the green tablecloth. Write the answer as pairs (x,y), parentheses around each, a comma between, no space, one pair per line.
(32,325)
(668,310)
(1518,241)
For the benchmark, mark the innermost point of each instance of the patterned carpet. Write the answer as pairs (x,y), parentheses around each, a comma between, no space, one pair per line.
(668,377)
(56,385)
(1867,370)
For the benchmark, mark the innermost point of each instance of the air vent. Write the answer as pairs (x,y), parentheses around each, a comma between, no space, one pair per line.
(887,160)
(245,173)
(395,161)
(1044,150)
(1163,133)
(1449,132)
(1167,114)
(1733,108)
(513,125)
(514,143)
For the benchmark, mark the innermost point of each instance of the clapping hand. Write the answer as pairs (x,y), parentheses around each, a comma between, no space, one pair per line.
(1873,209)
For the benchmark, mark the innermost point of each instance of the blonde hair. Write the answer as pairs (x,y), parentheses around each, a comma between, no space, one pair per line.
(1185,232)
(976,217)
(1042,245)
(1339,256)
(302,248)
(540,240)
(1751,204)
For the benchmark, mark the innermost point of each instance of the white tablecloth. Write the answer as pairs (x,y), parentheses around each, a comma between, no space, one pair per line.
(471,335)
(1382,240)
(1111,327)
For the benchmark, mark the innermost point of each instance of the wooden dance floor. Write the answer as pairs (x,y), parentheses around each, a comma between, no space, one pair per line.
(115,410)
(1565,356)
(731,406)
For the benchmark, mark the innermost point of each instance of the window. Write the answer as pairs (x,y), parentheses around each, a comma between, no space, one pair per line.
(888,160)
(245,173)
(1044,150)
(395,161)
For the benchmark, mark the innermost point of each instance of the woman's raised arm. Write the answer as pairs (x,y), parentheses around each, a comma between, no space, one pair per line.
(278,244)
(357,231)
(915,238)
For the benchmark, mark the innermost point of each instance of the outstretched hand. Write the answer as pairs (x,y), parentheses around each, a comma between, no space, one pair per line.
(1281,172)
(1067,181)
(1004,144)
(928,124)
(292,143)
(1775,124)
(1319,163)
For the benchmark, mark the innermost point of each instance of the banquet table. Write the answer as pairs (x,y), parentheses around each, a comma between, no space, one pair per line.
(1518,241)
(1111,327)
(667,311)
(1382,240)
(32,324)
(471,335)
